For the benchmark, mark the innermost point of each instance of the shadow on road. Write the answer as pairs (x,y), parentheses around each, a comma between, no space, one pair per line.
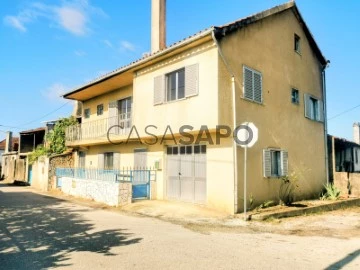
(343,262)
(38,232)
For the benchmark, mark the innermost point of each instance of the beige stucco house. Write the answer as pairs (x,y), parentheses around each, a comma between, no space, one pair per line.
(266,69)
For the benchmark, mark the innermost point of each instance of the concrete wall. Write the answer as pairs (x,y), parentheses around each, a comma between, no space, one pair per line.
(341,182)
(198,110)
(92,104)
(8,166)
(220,181)
(40,174)
(110,193)
(268,47)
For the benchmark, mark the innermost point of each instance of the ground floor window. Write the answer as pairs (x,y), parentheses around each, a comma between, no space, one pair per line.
(108,161)
(275,163)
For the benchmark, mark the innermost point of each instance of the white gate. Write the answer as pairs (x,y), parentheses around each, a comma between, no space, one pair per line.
(186,173)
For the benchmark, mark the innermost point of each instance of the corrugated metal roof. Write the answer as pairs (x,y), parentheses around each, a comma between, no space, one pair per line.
(33,130)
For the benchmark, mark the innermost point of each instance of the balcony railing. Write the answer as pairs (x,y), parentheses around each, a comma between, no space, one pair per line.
(118,125)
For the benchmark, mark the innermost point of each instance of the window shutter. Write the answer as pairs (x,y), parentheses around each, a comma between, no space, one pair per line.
(116,164)
(159,89)
(321,110)
(284,163)
(257,87)
(100,161)
(248,84)
(113,117)
(307,106)
(267,163)
(192,80)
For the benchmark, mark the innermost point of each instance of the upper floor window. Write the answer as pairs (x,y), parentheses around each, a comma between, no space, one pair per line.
(175,85)
(252,85)
(295,96)
(87,113)
(313,108)
(297,47)
(100,109)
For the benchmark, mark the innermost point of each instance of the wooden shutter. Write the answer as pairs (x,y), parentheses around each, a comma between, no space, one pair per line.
(192,80)
(248,84)
(267,163)
(307,105)
(321,110)
(159,89)
(116,160)
(257,87)
(284,163)
(100,161)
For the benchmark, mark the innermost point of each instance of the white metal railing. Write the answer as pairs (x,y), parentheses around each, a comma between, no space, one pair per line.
(118,125)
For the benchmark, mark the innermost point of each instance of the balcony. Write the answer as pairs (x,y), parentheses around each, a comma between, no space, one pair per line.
(99,130)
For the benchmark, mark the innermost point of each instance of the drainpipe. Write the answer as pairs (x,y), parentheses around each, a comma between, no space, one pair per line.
(234,120)
(325,121)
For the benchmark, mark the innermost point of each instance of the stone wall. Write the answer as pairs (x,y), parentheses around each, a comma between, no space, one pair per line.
(59,161)
(108,192)
(341,182)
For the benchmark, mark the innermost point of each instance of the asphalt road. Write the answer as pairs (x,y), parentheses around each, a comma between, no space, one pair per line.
(38,232)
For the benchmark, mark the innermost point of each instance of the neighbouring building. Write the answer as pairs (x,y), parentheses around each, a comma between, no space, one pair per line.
(8,156)
(344,162)
(265,68)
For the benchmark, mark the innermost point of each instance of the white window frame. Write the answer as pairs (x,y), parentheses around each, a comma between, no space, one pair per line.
(313,107)
(253,71)
(167,76)
(282,160)
(297,44)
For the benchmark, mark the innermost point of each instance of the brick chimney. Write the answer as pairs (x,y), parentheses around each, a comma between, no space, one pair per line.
(356,132)
(158,25)
(8,142)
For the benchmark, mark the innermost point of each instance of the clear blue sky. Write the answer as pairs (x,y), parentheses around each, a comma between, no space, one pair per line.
(48,47)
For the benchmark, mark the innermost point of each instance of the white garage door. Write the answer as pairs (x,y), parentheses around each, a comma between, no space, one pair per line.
(186,173)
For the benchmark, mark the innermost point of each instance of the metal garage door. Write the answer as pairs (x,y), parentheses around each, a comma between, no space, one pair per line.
(186,173)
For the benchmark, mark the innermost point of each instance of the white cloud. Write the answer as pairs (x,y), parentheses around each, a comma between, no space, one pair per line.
(79,53)
(127,46)
(72,20)
(72,16)
(15,22)
(54,92)
(108,43)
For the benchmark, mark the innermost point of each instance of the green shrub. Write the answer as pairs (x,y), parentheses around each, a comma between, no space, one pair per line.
(331,192)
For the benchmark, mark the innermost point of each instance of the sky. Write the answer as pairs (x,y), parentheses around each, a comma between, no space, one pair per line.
(48,47)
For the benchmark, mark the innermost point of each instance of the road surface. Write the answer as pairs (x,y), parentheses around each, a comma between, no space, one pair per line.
(39,232)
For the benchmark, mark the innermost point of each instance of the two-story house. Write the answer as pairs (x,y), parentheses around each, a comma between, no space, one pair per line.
(265,68)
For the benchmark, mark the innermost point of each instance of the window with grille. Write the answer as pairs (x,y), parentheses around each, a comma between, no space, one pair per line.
(252,85)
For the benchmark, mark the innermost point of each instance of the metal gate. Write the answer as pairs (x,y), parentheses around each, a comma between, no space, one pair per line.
(140,177)
(186,173)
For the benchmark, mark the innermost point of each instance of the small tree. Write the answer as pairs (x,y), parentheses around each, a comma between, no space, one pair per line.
(56,137)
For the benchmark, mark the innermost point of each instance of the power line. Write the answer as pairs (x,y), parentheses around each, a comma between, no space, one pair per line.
(346,111)
(28,123)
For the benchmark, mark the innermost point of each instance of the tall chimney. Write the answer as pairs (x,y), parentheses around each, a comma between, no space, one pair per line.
(158,25)
(356,132)
(8,142)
